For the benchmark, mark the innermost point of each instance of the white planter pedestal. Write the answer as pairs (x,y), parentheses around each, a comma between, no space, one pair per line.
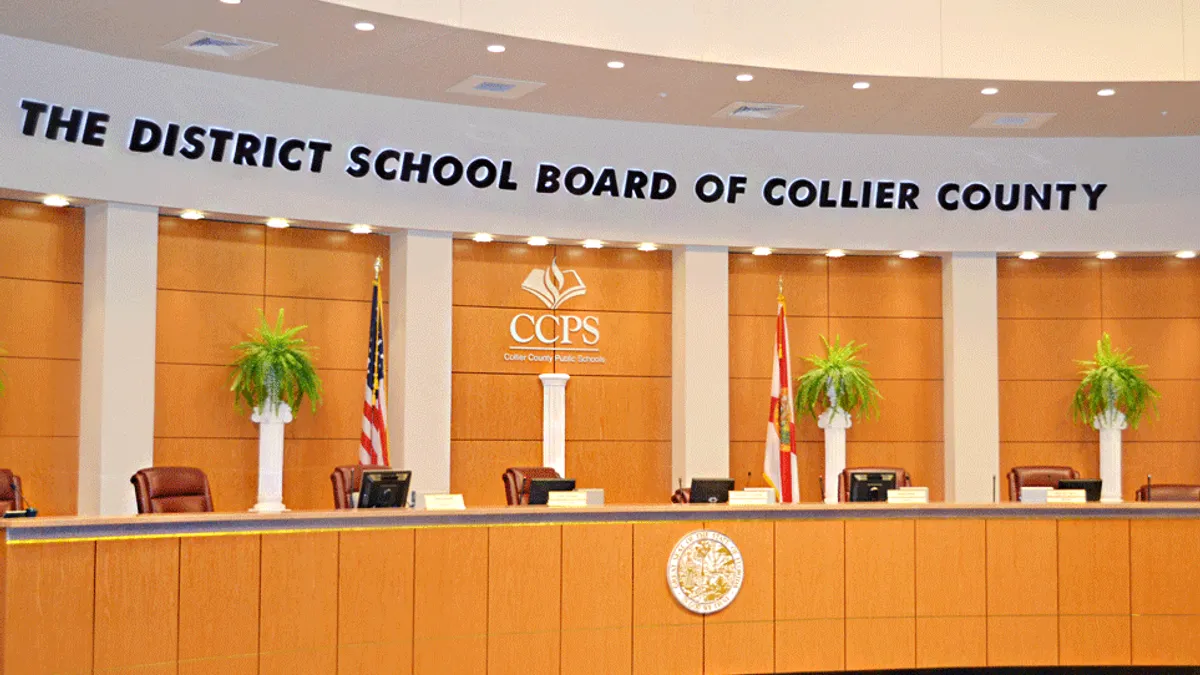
(835,422)
(1110,426)
(554,421)
(270,457)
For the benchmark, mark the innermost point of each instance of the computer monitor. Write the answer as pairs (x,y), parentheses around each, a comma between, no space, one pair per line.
(540,488)
(711,490)
(1089,485)
(384,488)
(871,487)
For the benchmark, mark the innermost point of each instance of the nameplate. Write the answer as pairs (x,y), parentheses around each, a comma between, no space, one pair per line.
(909,495)
(444,502)
(750,498)
(1066,497)
(595,496)
(1034,495)
(562,498)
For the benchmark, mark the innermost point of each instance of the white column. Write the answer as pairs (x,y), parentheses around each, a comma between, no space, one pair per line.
(116,412)
(419,348)
(270,456)
(835,423)
(700,363)
(971,376)
(554,421)
(1110,426)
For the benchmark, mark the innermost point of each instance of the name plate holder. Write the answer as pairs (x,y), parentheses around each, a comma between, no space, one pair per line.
(1035,495)
(441,502)
(751,497)
(908,495)
(1066,497)
(575,499)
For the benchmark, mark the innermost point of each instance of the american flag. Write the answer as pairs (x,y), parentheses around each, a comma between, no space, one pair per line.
(374,446)
(779,463)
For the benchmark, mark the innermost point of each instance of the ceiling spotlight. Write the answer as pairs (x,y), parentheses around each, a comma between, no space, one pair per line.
(538,241)
(1106,255)
(56,200)
(278,223)
(616,65)
(1106,92)
(989,91)
(192,214)
(761,250)
(862,85)
(835,253)
(496,49)
(745,77)
(593,243)
(647,247)
(1186,255)
(1029,255)
(364,26)
(360,229)
(482,238)
(909,255)
(232,2)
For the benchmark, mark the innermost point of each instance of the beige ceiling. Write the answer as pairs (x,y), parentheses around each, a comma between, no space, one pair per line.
(318,46)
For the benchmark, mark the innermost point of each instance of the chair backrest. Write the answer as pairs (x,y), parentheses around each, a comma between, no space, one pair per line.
(10,491)
(682,496)
(516,482)
(1036,476)
(171,489)
(1168,492)
(348,480)
(902,478)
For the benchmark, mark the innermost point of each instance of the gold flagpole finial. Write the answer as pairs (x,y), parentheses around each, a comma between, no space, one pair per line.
(378,266)
(781,287)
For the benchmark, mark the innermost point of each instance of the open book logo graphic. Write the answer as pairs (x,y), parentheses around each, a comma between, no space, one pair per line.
(554,286)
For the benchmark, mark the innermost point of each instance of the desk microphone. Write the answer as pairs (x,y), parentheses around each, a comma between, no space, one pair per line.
(19,498)
(1149,485)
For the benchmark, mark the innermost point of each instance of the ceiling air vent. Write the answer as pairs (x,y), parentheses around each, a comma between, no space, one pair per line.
(1012,120)
(757,111)
(222,46)
(494,87)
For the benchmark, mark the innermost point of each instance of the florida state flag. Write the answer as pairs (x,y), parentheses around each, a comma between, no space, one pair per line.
(779,463)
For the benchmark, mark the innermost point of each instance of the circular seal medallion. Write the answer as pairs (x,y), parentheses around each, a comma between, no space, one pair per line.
(705,571)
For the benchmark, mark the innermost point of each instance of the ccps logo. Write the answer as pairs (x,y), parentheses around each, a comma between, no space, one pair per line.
(554,332)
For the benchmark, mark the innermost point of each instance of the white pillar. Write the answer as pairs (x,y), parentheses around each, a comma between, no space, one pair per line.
(116,412)
(971,376)
(270,457)
(1110,426)
(419,348)
(700,363)
(554,421)
(835,423)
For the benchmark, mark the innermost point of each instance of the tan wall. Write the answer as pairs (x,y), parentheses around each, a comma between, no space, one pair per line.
(892,305)
(213,279)
(41,310)
(1052,312)
(618,413)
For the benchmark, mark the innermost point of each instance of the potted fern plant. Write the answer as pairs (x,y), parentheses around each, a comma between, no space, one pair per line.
(840,385)
(1113,394)
(272,375)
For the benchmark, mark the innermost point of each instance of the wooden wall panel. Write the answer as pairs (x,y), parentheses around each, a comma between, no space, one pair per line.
(633,344)
(1167,347)
(230,464)
(630,472)
(741,637)
(1085,457)
(1151,287)
(951,568)
(1022,641)
(49,598)
(1177,421)
(749,405)
(1045,349)
(1040,411)
(490,275)
(959,641)
(667,638)
(1093,567)
(1022,574)
(210,256)
(1166,462)
(477,467)
(1048,288)
(49,470)
(597,599)
(880,569)
(523,632)
(1166,640)
(754,284)
(896,348)
(340,414)
(41,319)
(41,242)
(226,320)
(137,605)
(620,279)
(43,407)
(375,601)
(307,465)
(924,461)
(450,602)
(218,605)
(194,402)
(1094,640)
(619,409)
(337,329)
(298,630)
(329,264)
(1166,555)
(481,338)
(752,343)
(874,286)
(496,407)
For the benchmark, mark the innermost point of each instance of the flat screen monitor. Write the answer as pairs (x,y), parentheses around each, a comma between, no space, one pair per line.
(711,490)
(384,488)
(1089,485)
(540,488)
(871,487)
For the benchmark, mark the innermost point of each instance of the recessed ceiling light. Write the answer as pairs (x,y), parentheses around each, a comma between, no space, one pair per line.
(745,77)
(862,85)
(835,253)
(360,229)
(1106,255)
(232,2)
(989,91)
(909,255)
(761,250)
(278,223)
(192,214)
(1186,255)
(496,49)
(364,26)
(1106,92)
(616,65)
(482,238)
(647,247)
(1029,255)
(593,243)
(56,200)
(538,241)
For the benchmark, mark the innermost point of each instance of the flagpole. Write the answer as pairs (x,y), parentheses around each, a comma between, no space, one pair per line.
(379,266)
